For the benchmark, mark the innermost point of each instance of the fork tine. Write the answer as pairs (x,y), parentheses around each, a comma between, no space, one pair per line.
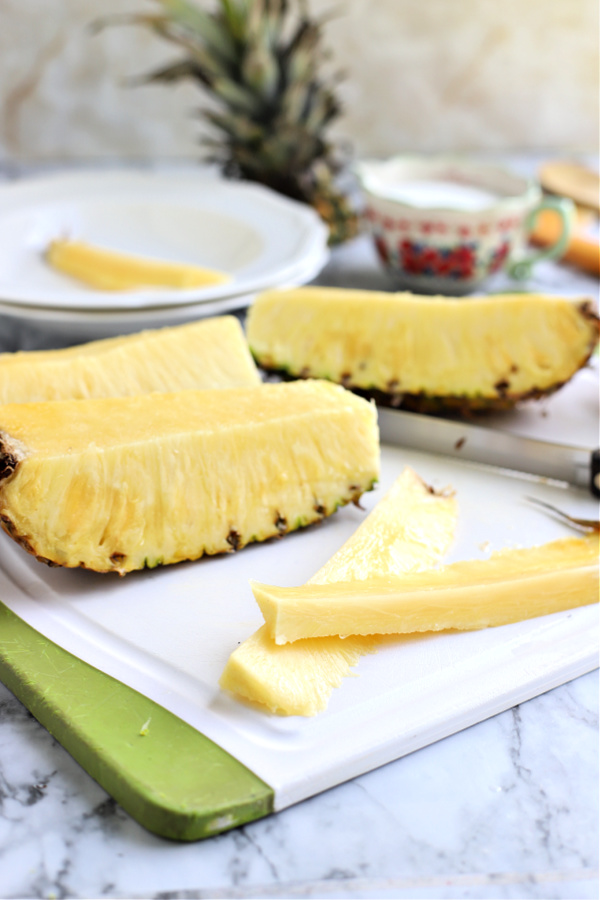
(587,524)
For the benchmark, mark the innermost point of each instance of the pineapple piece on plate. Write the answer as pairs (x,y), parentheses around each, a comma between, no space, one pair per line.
(212,353)
(121,483)
(108,270)
(510,586)
(409,530)
(425,353)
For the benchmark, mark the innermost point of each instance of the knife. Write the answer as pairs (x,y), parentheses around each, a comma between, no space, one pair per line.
(576,465)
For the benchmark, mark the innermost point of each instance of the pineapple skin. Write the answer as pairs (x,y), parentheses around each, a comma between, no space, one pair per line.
(510,586)
(410,529)
(428,354)
(120,484)
(212,353)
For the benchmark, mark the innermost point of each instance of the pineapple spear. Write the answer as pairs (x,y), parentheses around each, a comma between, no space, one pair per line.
(260,60)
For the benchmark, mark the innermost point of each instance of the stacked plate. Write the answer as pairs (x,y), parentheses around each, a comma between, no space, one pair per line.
(261,239)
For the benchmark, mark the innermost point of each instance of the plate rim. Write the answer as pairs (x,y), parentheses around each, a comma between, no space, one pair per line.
(24,194)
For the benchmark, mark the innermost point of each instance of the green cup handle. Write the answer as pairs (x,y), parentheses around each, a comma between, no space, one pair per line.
(521,268)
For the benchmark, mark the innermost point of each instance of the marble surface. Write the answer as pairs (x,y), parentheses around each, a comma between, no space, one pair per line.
(440,75)
(505,809)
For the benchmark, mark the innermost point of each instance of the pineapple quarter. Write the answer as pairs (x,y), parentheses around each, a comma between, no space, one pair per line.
(510,586)
(212,353)
(108,270)
(408,530)
(117,484)
(425,353)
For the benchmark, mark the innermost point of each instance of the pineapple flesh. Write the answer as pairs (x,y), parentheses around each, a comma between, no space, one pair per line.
(117,484)
(108,270)
(510,586)
(428,354)
(409,530)
(212,353)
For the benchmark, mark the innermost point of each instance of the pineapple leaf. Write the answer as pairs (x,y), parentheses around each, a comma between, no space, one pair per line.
(260,71)
(197,22)
(241,128)
(236,96)
(185,68)
(235,18)
(260,61)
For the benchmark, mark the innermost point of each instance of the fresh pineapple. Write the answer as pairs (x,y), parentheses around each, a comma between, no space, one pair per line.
(108,270)
(212,353)
(425,353)
(121,483)
(260,63)
(510,586)
(408,531)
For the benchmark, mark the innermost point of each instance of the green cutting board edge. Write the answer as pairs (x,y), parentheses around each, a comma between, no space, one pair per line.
(171,778)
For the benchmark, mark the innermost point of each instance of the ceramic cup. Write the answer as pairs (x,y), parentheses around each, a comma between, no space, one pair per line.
(443,225)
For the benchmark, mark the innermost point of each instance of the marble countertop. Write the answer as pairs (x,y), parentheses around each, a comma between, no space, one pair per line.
(505,809)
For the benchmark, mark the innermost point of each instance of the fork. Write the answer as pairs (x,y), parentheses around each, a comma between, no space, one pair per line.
(585,524)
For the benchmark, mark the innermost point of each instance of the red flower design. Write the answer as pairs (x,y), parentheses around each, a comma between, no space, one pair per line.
(382,249)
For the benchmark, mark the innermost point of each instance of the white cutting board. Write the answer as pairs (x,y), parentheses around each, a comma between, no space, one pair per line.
(168,633)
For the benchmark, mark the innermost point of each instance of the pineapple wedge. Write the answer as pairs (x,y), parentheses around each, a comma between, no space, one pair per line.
(409,530)
(211,353)
(108,270)
(121,483)
(510,586)
(425,353)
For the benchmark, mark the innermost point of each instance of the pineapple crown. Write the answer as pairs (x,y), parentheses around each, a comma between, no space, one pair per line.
(260,61)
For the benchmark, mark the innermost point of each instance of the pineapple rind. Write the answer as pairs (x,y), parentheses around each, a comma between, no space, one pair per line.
(425,353)
(211,353)
(408,530)
(119,483)
(510,586)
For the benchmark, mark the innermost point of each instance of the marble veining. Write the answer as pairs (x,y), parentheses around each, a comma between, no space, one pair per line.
(507,808)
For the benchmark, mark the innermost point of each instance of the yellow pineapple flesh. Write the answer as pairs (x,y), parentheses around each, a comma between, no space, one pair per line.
(109,270)
(212,353)
(408,530)
(425,353)
(117,484)
(510,586)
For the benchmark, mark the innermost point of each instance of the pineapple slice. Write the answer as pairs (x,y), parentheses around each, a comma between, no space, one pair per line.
(121,483)
(409,530)
(107,270)
(211,353)
(425,353)
(510,586)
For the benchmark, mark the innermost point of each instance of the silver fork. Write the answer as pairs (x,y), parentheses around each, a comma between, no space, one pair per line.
(585,524)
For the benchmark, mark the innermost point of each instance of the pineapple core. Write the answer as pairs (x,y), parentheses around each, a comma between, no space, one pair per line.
(425,353)
(122,483)
(212,353)
(108,270)
(409,530)
(510,586)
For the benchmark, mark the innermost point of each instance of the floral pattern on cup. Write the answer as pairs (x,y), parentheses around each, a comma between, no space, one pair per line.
(449,249)
(455,261)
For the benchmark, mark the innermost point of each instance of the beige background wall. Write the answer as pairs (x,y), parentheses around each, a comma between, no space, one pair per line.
(421,75)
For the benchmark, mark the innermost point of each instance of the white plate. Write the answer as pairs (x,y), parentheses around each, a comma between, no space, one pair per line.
(168,633)
(248,231)
(95,324)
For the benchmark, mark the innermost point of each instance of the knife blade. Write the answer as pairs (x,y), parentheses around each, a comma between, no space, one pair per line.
(576,465)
